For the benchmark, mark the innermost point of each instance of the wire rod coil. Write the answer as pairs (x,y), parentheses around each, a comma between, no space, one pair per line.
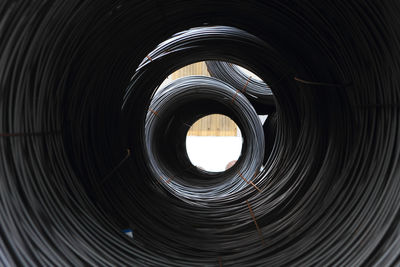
(330,189)
(170,116)
(254,88)
(258,92)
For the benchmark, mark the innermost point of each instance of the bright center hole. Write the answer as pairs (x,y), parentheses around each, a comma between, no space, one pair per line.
(214,143)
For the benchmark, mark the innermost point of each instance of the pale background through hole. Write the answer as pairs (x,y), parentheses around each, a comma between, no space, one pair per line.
(215,140)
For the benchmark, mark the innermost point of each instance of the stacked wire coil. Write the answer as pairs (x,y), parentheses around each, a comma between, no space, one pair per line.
(254,88)
(330,189)
(171,115)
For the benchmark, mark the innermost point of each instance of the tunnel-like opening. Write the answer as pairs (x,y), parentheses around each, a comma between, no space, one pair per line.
(78,78)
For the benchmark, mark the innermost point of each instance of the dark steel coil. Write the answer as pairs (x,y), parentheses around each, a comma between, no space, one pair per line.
(259,94)
(170,116)
(255,89)
(68,185)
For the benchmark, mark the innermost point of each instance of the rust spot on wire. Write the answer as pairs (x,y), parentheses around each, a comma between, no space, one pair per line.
(243,178)
(168,181)
(247,83)
(153,111)
(249,182)
(234,97)
(259,190)
(255,222)
(255,174)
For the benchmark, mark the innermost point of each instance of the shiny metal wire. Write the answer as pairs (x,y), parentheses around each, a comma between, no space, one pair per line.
(252,87)
(70,110)
(170,116)
(259,94)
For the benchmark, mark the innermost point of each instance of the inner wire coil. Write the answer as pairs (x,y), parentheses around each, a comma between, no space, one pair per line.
(182,103)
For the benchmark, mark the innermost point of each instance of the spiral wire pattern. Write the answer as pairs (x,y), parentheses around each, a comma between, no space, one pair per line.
(170,116)
(330,190)
(259,94)
(254,88)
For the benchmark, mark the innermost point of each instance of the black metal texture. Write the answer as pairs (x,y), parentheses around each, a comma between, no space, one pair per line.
(330,191)
(255,89)
(172,113)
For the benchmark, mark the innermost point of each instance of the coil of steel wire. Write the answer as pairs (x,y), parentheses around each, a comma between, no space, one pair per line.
(259,94)
(72,171)
(254,88)
(170,116)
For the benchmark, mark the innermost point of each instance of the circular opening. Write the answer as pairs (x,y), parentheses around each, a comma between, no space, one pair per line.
(197,69)
(214,143)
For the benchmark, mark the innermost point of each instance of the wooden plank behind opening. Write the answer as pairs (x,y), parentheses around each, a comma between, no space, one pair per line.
(199,68)
(213,125)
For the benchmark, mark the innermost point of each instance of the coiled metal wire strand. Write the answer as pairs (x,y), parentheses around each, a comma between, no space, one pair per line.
(170,116)
(254,88)
(259,94)
(330,189)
